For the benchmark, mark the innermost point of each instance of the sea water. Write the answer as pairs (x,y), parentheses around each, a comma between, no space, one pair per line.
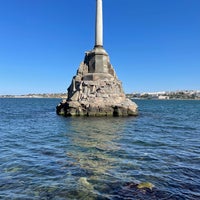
(153,156)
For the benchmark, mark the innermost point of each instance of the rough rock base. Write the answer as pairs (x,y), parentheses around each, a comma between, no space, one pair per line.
(70,108)
(96,90)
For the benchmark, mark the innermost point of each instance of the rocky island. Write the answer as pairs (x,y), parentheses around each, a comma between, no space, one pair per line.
(95,90)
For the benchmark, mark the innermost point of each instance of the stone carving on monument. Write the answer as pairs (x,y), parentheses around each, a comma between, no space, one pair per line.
(96,90)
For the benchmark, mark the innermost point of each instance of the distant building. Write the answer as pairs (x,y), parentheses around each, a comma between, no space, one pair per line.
(163,97)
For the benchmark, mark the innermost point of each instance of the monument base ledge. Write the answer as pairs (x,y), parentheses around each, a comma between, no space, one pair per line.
(84,108)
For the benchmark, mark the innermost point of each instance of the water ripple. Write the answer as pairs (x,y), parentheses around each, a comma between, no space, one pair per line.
(44,156)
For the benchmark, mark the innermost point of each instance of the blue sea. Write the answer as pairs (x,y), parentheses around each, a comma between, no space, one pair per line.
(153,156)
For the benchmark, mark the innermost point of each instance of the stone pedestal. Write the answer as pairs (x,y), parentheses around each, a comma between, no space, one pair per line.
(98,61)
(96,90)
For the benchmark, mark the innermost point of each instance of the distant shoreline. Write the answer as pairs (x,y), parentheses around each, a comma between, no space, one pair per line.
(174,95)
(39,96)
(131,98)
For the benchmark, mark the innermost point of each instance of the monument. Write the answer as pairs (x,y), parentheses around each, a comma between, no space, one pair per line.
(96,90)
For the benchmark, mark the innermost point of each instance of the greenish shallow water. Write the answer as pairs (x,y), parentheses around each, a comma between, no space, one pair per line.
(45,156)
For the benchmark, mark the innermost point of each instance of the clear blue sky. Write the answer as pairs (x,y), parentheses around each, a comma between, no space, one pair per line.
(154,45)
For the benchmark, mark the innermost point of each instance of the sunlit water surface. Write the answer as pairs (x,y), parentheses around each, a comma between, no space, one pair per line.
(45,156)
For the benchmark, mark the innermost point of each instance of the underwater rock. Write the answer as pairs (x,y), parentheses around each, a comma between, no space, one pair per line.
(145,185)
(142,185)
(84,182)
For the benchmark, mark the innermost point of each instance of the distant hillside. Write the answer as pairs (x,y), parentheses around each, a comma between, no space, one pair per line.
(45,95)
(183,94)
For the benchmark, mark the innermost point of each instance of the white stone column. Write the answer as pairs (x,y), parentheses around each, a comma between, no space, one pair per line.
(99,24)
